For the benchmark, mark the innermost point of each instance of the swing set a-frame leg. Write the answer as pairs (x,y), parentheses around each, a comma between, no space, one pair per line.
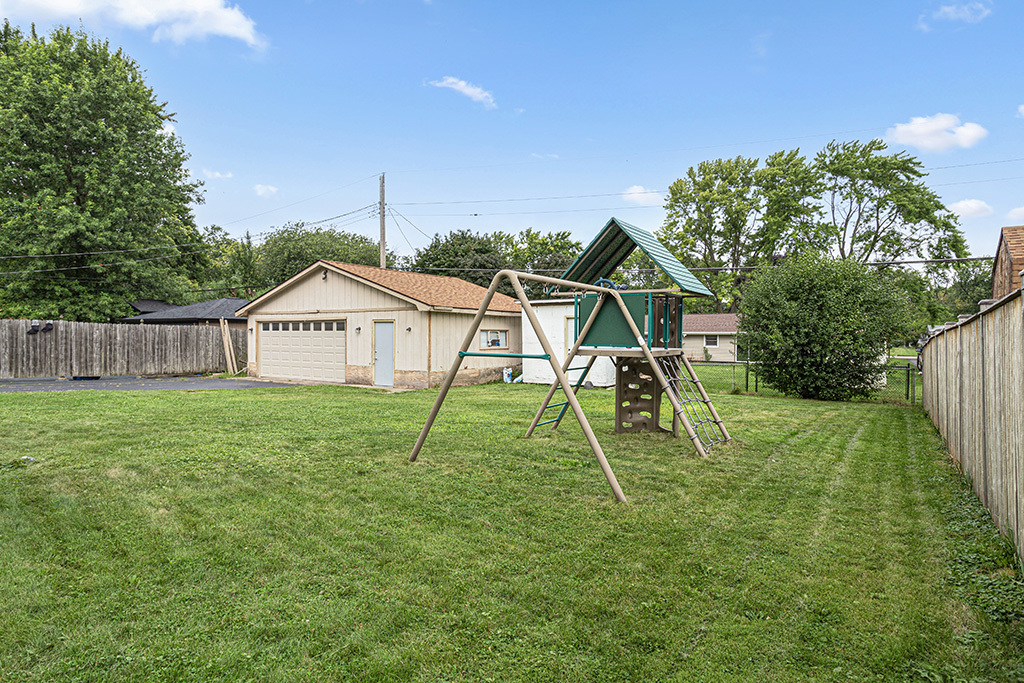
(566,365)
(570,396)
(512,276)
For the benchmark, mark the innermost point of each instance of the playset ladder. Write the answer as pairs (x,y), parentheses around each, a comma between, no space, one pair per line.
(564,405)
(694,405)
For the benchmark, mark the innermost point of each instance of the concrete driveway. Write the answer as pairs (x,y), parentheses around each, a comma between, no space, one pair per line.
(131,383)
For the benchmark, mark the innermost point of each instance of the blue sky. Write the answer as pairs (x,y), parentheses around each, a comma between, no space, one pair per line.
(290,109)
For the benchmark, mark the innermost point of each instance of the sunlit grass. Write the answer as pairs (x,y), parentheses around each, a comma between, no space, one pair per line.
(282,534)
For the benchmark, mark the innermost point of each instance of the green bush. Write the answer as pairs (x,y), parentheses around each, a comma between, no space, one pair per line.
(818,327)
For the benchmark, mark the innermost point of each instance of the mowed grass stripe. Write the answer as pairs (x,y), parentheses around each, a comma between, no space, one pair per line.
(282,535)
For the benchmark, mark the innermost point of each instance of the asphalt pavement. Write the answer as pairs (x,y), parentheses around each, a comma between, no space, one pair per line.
(131,383)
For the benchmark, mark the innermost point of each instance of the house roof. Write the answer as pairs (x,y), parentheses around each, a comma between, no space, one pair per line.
(710,323)
(438,291)
(426,291)
(215,309)
(150,305)
(613,245)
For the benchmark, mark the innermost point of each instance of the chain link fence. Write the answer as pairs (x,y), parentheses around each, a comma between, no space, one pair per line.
(902,380)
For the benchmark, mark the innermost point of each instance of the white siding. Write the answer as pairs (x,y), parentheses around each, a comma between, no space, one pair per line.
(556,318)
(449,331)
(693,346)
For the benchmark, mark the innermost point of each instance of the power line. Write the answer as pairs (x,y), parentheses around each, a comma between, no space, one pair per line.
(528,213)
(109,251)
(717,269)
(979,163)
(411,223)
(974,182)
(398,225)
(634,154)
(340,215)
(99,265)
(302,201)
(526,199)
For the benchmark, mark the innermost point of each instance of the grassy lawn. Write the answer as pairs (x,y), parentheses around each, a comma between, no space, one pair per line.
(902,351)
(281,535)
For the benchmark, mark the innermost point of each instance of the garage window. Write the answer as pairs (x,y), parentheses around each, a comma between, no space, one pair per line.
(341,326)
(328,327)
(266,327)
(493,339)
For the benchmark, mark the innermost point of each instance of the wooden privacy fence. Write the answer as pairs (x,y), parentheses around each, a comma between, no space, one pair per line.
(101,349)
(974,393)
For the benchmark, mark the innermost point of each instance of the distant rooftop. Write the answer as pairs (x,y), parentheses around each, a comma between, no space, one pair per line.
(204,311)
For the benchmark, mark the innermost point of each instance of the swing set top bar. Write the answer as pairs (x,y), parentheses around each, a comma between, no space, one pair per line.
(541,356)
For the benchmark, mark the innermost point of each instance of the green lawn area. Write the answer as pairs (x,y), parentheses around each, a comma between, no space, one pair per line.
(282,535)
(902,351)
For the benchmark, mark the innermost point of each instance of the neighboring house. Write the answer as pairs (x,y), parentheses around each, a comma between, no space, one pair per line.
(150,305)
(715,332)
(341,322)
(202,313)
(556,318)
(1009,261)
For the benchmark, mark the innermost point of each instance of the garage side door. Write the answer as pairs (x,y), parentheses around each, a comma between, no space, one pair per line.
(303,349)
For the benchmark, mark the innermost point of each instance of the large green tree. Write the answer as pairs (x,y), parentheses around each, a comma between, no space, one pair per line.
(94,195)
(876,206)
(854,200)
(477,257)
(818,327)
(730,215)
(289,249)
(463,254)
(534,252)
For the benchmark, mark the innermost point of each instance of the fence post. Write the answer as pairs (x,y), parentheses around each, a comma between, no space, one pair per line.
(746,367)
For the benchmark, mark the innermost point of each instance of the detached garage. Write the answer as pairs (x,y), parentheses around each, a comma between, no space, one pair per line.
(355,324)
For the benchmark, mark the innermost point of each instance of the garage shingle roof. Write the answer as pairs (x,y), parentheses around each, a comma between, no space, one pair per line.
(433,290)
(722,323)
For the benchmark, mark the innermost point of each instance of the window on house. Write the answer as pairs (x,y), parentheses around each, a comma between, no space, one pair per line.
(329,327)
(711,341)
(305,327)
(275,326)
(266,327)
(316,327)
(341,326)
(494,339)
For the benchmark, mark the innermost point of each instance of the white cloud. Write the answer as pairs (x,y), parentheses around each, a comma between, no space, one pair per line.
(1020,111)
(971,208)
(216,175)
(543,156)
(264,190)
(473,92)
(175,20)
(936,133)
(638,194)
(1016,214)
(969,12)
(168,129)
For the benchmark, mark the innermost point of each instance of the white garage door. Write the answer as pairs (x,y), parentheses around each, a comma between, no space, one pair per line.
(305,349)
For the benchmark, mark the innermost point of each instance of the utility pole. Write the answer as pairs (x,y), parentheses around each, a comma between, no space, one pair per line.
(383,260)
